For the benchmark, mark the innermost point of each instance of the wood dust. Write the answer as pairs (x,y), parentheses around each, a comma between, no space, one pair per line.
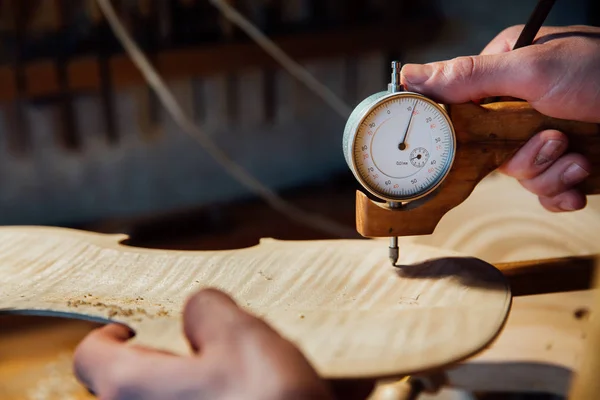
(119,310)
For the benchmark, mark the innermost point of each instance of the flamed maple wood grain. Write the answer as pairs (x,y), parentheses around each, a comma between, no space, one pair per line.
(486,136)
(349,312)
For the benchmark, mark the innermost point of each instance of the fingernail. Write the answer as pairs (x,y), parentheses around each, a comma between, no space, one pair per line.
(417,73)
(567,206)
(574,174)
(548,152)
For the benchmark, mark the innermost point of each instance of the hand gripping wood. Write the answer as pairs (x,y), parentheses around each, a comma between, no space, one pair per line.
(486,137)
(339,301)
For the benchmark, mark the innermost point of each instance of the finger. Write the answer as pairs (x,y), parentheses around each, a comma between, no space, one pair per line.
(210,316)
(523,73)
(98,350)
(109,369)
(536,156)
(229,338)
(106,365)
(571,200)
(562,176)
(470,78)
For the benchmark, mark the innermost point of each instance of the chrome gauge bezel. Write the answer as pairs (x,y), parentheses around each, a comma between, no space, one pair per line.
(361,112)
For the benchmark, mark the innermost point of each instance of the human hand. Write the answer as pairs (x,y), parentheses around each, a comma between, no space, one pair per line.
(236,356)
(559,75)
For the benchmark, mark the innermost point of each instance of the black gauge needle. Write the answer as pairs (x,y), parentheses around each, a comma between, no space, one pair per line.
(402,144)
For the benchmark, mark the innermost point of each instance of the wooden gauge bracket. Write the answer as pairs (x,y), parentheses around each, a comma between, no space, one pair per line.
(486,136)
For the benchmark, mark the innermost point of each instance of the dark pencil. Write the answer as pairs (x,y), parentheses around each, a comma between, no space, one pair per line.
(535,22)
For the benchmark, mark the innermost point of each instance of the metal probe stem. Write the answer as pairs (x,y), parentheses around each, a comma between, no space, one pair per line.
(394,251)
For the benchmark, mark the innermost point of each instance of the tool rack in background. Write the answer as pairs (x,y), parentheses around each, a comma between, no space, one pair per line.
(84,142)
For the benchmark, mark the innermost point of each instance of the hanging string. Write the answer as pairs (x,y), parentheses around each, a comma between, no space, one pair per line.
(188,126)
(291,66)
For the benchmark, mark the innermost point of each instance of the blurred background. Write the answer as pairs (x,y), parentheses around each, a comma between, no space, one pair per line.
(85,143)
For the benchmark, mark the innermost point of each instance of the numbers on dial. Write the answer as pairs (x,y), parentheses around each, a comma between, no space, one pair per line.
(403,147)
(419,157)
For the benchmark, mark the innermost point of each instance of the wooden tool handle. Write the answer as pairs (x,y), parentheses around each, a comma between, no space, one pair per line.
(502,128)
(486,136)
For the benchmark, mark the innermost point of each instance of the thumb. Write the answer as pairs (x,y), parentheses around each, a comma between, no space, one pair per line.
(211,316)
(472,78)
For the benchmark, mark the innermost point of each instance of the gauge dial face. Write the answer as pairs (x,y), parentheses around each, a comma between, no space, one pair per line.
(404,147)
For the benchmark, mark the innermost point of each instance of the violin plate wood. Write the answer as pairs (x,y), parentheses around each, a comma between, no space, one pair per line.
(339,301)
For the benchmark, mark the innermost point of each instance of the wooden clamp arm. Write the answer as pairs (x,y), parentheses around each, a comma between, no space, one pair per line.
(502,128)
(486,136)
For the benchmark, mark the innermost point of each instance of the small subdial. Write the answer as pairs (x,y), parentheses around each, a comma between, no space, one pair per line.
(419,157)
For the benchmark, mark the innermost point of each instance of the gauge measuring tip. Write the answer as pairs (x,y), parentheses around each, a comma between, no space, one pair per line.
(393,250)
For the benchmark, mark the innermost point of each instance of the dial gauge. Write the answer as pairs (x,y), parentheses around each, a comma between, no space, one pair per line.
(401,146)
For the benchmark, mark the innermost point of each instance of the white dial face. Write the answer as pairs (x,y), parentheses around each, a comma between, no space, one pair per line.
(404,147)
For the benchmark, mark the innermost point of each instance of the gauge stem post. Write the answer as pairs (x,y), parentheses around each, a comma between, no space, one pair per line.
(394,86)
